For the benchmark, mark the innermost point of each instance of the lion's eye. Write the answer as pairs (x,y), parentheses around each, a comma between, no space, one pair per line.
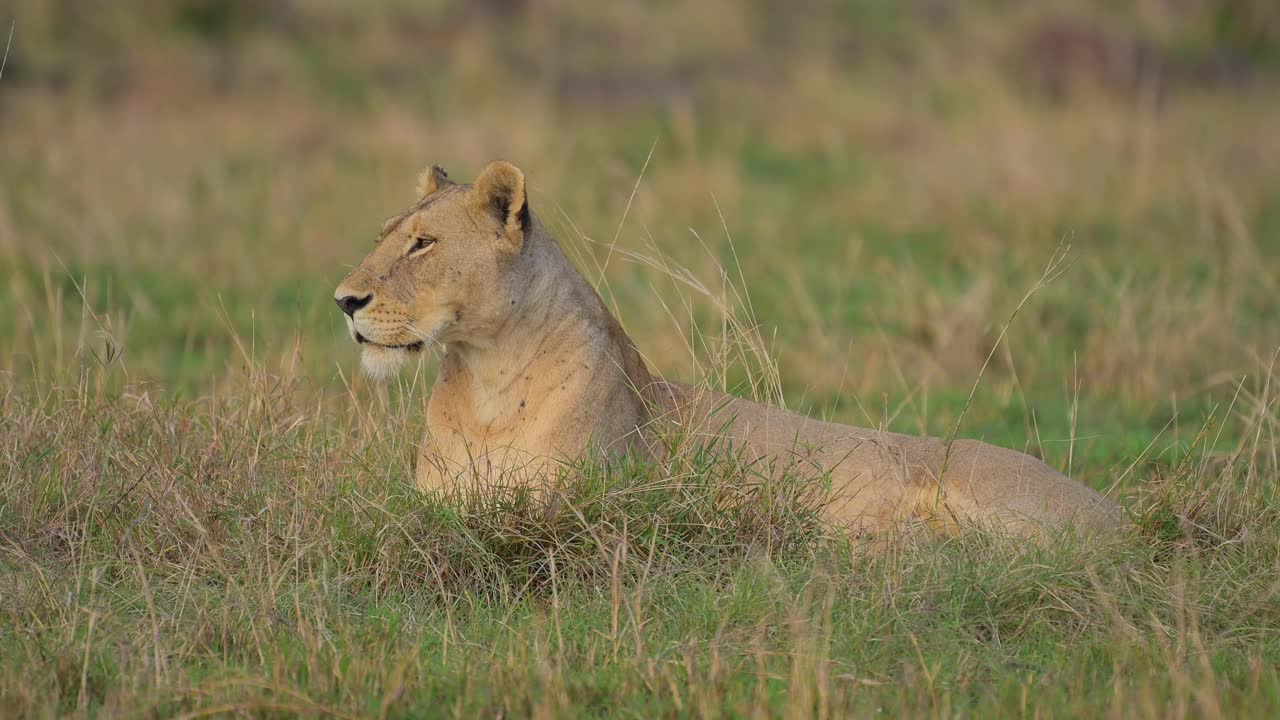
(422,242)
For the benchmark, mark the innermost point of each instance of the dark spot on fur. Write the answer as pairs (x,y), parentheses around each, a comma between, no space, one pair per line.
(521,403)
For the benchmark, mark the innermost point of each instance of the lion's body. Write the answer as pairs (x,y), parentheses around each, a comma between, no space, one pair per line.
(537,372)
(880,479)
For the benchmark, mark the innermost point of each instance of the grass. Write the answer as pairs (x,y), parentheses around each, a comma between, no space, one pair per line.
(205,511)
(257,554)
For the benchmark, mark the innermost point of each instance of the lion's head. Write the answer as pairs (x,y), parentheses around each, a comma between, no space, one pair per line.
(442,271)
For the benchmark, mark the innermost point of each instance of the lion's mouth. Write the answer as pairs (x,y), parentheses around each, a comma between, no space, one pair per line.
(411,347)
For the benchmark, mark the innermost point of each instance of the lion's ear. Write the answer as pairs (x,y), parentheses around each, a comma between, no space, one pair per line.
(431,180)
(499,191)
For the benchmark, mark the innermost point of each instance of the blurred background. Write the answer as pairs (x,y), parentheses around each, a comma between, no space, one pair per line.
(881,181)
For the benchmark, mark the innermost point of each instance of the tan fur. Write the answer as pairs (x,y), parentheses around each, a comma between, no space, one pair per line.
(538,372)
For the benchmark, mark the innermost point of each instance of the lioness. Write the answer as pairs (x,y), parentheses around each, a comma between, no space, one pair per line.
(537,372)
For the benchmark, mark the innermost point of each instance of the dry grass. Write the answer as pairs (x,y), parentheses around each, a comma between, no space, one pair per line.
(259,553)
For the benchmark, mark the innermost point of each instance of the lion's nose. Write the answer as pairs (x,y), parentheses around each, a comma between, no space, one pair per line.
(350,303)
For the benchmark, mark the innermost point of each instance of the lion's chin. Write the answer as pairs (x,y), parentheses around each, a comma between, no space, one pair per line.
(381,363)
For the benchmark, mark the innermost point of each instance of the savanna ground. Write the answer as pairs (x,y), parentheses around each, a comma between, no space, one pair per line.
(204,510)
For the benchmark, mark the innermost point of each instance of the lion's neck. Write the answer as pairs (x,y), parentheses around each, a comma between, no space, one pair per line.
(496,367)
(557,321)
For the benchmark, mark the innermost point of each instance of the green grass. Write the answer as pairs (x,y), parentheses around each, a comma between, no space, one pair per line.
(275,570)
(155,567)
(206,511)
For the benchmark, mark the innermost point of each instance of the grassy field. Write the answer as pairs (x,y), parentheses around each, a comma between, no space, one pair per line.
(206,511)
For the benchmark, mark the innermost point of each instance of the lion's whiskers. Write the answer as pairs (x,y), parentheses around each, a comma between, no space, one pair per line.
(428,340)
